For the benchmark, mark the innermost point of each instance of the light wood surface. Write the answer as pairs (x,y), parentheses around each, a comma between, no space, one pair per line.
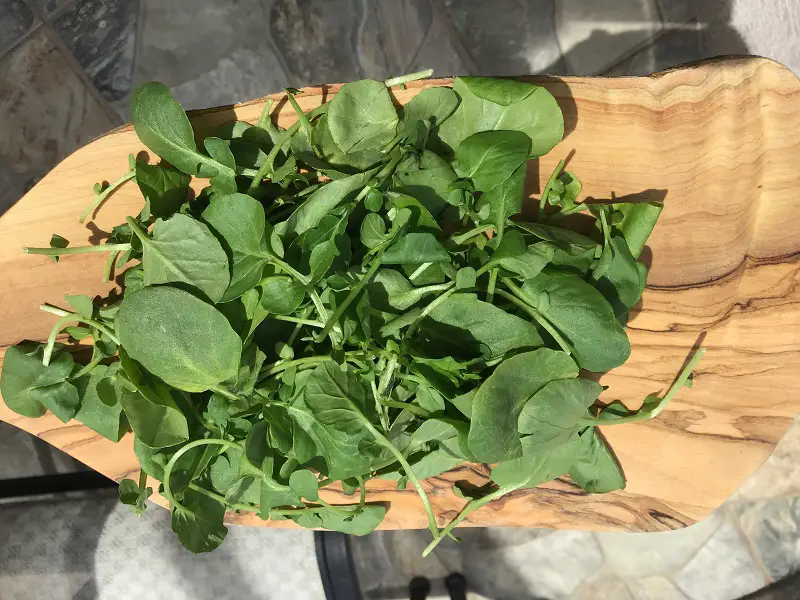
(720,138)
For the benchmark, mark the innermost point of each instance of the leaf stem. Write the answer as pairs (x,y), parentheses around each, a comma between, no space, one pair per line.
(491,286)
(280,366)
(537,316)
(183,450)
(468,235)
(299,321)
(106,192)
(66,317)
(428,309)
(77,249)
(264,121)
(221,499)
(412,408)
(469,507)
(351,295)
(549,185)
(393,81)
(419,270)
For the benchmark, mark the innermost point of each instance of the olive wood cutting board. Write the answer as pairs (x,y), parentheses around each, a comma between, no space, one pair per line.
(719,141)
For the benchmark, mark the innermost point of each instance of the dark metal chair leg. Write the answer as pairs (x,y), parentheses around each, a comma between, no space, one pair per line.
(419,588)
(456,585)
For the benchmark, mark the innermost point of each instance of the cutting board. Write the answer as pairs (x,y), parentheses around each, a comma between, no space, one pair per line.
(719,141)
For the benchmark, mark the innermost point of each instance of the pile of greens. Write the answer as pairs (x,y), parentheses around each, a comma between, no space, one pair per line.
(349,298)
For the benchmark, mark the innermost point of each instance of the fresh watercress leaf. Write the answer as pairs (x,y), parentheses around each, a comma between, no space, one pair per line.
(595,468)
(535,467)
(197,521)
(100,409)
(362,117)
(179,338)
(490,157)
(636,223)
(164,188)
(500,399)
(426,178)
(552,415)
(304,484)
(414,249)
(131,494)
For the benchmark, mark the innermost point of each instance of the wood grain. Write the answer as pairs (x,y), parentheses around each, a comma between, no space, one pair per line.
(721,139)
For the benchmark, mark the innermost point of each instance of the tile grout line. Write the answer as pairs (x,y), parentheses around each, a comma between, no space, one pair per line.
(269,39)
(753,550)
(51,34)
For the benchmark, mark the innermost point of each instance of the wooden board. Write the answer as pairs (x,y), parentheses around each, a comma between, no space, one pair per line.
(721,139)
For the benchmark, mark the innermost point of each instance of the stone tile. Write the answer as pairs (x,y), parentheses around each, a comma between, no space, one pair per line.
(723,569)
(779,475)
(508,37)
(773,528)
(24,455)
(50,6)
(438,52)
(654,588)
(680,11)
(317,39)
(11,189)
(595,35)
(549,566)
(249,71)
(17,19)
(101,34)
(47,110)
(603,587)
(634,555)
(390,34)
(676,47)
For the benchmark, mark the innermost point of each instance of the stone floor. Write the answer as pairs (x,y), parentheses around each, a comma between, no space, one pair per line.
(67,68)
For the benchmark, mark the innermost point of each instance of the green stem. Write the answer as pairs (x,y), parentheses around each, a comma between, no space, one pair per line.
(419,270)
(77,249)
(383,413)
(67,317)
(338,509)
(537,316)
(412,408)
(469,507)
(108,271)
(106,192)
(491,286)
(222,500)
(299,321)
(351,295)
(386,376)
(223,392)
(468,235)
(183,450)
(412,476)
(392,81)
(88,367)
(287,512)
(269,163)
(264,121)
(280,366)
(51,340)
(549,185)
(302,118)
(676,386)
(428,309)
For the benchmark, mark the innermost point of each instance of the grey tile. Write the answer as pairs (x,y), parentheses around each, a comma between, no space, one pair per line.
(47,110)
(24,455)
(779,475)
(655,588)
(11,188)
(676,47)
(644,554)
(181,40)
(596,35)
(317,39)
(680,11)
(508,37)
(723,569)
(438,52)
(50,6)
(390,35)
(773,527)
(101,34)
(17,19)
(603,587)
(248,72)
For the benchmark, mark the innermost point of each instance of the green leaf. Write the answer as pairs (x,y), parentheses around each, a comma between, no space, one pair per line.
(434,430)
(552,415)
(362,523)
(362,117)
(464,326)
(622,283)
(29,388)
(56,241)
(100,409)
(225,180)
(500,399)
(572,249)
(304,484)
(150,407)
(162,126)
(535,467)
(421,218)
(373,230)
(82,304)
(414,249)
(504,104)
(465,278)
(164,188)
(238,220)
(183,250)
(489,158)
(132,495)
(179,338)
(584,318)
(513,254)
(320,204)
(198,521)
(595,468)
(433,106)
(426,178)
(636,223)
(281,295)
